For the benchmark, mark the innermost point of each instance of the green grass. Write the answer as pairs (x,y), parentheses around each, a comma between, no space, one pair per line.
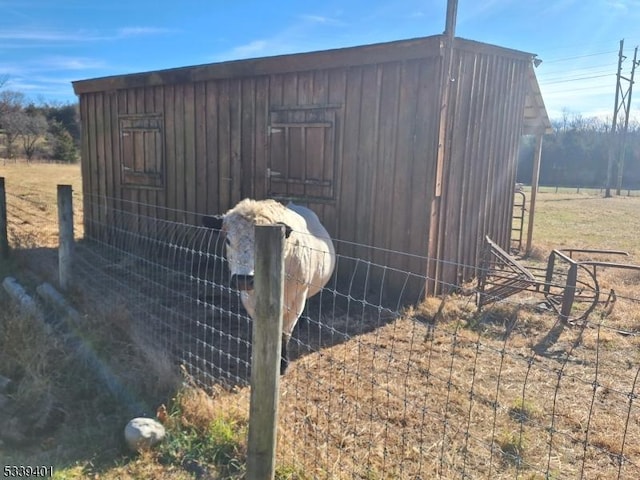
(524,411)
(218,442)
(512,446)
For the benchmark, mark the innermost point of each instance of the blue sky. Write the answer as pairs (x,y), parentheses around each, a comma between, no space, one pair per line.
(46,44)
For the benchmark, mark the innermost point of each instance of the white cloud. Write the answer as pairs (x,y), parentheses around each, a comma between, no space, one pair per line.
(71,63)
(256,47)
(127,32)
(39,35)
(10,70)
(624,5)
(43,86)
(321,19)
(295,38)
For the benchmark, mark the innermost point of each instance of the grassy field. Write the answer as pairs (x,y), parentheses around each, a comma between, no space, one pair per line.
(502,394)
(586,220)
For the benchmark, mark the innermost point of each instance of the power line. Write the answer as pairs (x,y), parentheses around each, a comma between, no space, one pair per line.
(557,60)
(577,79)
(598,89)
(561,73)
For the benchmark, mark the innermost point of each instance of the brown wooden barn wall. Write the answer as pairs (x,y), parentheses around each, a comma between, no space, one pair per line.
(378,187)
(484,125)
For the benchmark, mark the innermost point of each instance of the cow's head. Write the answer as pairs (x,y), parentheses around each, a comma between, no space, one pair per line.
(239,242)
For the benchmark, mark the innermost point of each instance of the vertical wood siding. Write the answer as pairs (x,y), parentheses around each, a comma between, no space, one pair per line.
(384,116)
(484,131)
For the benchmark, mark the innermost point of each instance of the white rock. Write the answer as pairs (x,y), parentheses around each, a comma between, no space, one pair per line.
(143,433)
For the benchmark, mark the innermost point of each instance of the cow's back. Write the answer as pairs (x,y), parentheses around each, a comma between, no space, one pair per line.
(320,258)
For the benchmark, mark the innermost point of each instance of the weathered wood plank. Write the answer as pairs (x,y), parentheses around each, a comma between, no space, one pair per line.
(336,86)
(87,157)
(200,153)
(454,206)
(236,140)
(347,178)
(293,94)
(248,137)
(261,146)
(482,168)
(101,148)
(224,147)
(365,160)
(473,170)
(190,171)
(94,170)
(170,150)
(326,170)
(161,198)
(108,157)
(424,168)
(212,151)
(405,157)
(179,181)
(385,161)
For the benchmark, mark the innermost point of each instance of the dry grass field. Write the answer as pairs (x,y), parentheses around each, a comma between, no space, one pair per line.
(505,393)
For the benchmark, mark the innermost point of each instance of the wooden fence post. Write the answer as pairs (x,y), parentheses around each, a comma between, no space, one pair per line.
(4,239)
(266,351)
(65,236)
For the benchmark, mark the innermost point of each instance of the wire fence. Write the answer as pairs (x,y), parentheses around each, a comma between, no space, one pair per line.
(383,383)
(585,190)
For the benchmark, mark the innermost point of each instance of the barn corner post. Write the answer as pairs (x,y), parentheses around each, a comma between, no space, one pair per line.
(535,180)
(65,235)
(266,351)
(434,268)
(4,239)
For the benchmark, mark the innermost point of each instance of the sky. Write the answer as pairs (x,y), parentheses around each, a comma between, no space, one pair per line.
(47,44)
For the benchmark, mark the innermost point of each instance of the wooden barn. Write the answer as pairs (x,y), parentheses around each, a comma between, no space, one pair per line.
(355,133)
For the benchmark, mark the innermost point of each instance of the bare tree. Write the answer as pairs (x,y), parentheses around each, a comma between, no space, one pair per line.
(10,102)
(28,128)
(10,124)
(31,129)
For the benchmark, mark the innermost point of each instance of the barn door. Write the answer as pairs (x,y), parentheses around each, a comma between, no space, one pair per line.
(141,150)
(301,154)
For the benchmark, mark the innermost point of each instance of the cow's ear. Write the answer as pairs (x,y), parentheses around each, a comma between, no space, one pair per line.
(214,221)
(287,229)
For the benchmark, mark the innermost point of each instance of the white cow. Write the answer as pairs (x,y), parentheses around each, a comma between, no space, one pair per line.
(309,255)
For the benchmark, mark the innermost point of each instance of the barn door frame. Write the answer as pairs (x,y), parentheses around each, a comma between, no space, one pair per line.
(302,155)
(141,150)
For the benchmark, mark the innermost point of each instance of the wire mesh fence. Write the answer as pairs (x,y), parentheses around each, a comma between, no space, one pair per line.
(384,383)
(585,190)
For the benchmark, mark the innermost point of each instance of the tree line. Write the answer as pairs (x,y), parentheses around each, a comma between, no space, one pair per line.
(577,153)
(45,130)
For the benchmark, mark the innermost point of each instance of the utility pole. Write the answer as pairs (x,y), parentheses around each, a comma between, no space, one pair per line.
(626,123)
(614,122)
(622,103)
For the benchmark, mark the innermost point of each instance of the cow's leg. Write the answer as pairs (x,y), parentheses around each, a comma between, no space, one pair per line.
(284,357)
